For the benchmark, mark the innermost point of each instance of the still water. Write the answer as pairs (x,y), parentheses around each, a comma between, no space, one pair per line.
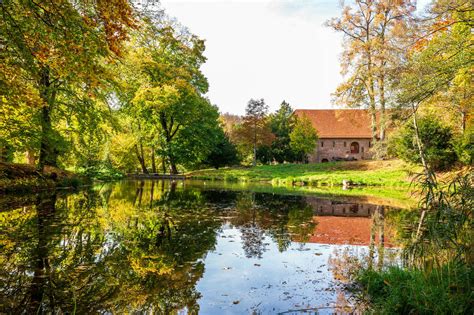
(159,247)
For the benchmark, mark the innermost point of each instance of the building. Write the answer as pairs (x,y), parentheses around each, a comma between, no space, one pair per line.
(342,133)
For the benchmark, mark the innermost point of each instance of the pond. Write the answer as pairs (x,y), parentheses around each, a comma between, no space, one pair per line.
(161,247)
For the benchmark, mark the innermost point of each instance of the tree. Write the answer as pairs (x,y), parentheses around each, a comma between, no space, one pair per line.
(281,124)
(165,96)
(255,130)
(437,143)
(223,153)
(303,138)
(58,60)
(436,68)
(369,28)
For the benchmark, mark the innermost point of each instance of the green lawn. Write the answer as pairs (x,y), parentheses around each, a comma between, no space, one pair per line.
(392,173)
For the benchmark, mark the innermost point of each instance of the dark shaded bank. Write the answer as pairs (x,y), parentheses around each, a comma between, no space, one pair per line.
(20,178)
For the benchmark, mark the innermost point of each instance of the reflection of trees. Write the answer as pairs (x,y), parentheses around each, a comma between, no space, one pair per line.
(283,218)
(378,222)
(97,252)
(346,263)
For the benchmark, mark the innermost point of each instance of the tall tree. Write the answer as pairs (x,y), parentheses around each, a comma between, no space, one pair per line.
(367,26)
(56,50)
(437,63)
(255,130)
(282,123)
(168,97)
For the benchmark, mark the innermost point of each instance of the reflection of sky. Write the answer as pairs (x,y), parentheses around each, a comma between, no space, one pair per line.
(298,278)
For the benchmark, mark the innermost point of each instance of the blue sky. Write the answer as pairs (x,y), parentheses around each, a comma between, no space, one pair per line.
(276,50)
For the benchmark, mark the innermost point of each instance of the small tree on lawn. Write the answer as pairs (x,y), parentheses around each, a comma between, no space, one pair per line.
(255,129)
(303,137)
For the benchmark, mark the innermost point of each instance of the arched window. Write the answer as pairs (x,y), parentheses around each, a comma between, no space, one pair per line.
(355,147)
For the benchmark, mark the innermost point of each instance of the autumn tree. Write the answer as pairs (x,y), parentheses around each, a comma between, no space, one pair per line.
(438,67)
(166,96)
(255,130)
(369,29)
(56,51)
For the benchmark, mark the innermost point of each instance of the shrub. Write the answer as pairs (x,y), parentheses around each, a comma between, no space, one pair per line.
(437,141)
(464,145)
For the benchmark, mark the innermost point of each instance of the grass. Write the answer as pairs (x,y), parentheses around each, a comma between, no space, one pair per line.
(447,290)
(392,173)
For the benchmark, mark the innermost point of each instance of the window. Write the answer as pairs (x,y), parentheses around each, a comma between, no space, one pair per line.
(370,144)
(322,143)
(355,147)
(345,144)
(333,144)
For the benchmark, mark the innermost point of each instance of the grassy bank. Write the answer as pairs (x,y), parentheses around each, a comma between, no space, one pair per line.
(19,178)
(393,173)
(446,290)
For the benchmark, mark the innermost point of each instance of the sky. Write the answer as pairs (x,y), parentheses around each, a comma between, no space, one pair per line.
(271,49)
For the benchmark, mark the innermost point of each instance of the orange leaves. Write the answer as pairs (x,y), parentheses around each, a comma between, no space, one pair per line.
(116,16)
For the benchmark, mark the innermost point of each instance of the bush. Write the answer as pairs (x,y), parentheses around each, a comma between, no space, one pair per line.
(101,172)
(464,145)
(436,138)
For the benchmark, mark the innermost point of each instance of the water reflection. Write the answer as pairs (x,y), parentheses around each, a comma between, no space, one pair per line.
(161,247)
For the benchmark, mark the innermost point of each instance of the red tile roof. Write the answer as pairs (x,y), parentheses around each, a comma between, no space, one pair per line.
(345,230)
(339,123)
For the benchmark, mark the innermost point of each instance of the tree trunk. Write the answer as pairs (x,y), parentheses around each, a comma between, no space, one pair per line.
(420,146)
(48,153)
(370,85)
(174,169)
(30,157)
(153,162)
(382,107)
(141,159)
(163,165)
(254,162)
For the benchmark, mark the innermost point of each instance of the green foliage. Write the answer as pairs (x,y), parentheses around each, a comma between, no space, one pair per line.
(399,291)
(223,153)
(303,138)
(464,146)
(59,67)
(264,154)
(101,171)
(437,143)
(282,123)
(254,131)
(437,276)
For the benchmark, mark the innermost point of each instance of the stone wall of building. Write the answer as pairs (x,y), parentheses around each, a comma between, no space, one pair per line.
(328,149)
